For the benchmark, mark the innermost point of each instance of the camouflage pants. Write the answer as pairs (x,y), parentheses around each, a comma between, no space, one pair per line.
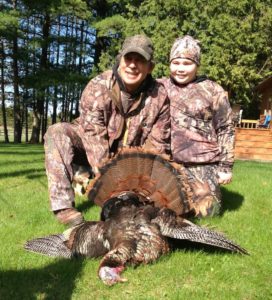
(206,200)
(63,146)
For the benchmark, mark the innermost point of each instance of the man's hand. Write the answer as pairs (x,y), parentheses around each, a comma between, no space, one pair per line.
(224,178)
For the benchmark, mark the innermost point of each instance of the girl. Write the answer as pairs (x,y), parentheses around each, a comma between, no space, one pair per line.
(202,132)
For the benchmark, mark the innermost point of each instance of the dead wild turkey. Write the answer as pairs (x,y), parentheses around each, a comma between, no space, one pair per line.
(137,225)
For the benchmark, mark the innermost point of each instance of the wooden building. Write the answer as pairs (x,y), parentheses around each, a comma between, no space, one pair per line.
(252,142)
(265,90)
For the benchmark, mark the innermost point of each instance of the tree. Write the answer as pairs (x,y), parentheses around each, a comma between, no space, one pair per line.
(235,38)
(52,48)
(4,117)
(30,52)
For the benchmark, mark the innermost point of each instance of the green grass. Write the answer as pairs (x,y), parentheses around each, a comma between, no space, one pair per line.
(191,273)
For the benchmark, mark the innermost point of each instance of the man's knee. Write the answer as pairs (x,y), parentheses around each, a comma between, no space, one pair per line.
(58,129)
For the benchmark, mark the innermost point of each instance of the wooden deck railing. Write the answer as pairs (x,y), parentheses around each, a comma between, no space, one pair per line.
(245,123)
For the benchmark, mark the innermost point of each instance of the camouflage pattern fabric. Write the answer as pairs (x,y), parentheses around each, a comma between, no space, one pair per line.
(101,120)
(186,47)
(91,138)
(202,128)
(206,199)
(139,44)
(202,138)
(63,147)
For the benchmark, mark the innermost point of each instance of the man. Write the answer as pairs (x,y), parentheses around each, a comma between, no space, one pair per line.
(202,132)
(123,107)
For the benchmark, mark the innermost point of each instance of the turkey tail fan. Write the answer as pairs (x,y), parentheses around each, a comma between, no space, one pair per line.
(170,190)
(194,233)
(52,245)
(121,173)
(145,173)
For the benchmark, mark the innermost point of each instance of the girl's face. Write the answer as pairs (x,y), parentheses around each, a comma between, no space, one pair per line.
(183,70)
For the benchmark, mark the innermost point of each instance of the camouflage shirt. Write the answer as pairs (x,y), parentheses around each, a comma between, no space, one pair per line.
(102,122)
(201,123)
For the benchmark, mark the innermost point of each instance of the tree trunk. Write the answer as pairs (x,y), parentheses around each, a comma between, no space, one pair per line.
(45,116)
(102,9)
(71,115)
(81,56)
(3,98)
(55,103)
(26,123)
(66,102)
(41,92)
(26,89)
(16,105)
(35,127)
(77,103)
(56,87)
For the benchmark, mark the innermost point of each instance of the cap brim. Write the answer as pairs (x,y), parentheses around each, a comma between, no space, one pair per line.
(185,57)
(138,50)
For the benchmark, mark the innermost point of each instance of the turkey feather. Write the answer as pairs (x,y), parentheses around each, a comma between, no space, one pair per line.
(53,245)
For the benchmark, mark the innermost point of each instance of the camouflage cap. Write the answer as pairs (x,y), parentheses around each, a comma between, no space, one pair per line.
(140,44)
(186,47)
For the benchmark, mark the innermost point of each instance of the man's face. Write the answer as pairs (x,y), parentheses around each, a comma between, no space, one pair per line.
(183,70)
(133,69)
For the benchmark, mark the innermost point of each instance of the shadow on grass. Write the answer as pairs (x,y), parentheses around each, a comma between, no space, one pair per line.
(8,163)
(37,175)
(85,205)
(189,246)
(19,145)
(21,149)
(55,281)
(29,173)
(230,200)
(36,152)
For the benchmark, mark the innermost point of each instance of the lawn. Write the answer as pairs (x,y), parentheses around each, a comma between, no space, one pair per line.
(190,273)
